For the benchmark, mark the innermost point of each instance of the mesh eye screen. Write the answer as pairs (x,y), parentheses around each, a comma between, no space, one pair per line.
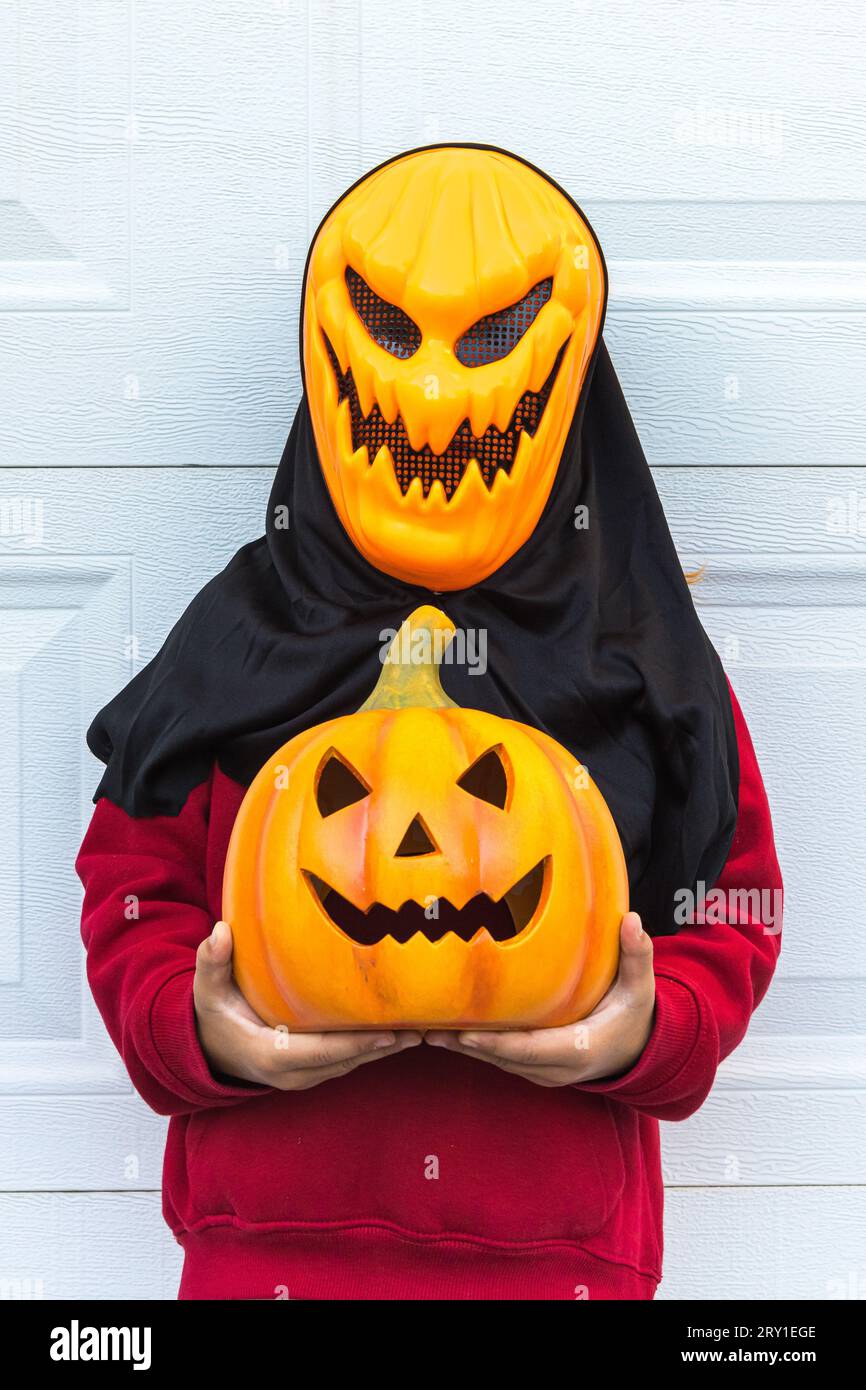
(386,324)
(497,334)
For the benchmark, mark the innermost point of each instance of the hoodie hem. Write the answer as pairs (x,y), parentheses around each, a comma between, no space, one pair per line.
(370,1262)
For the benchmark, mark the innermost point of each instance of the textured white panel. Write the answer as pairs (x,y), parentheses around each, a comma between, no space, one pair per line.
(106,1245)
(793,1062)
(736,286)
(66,126)
(748,511)
(764,1242)
(30,639)
(114,1144)
(338,96)
(10,842)
(74,624)
(744,389)
(754,1137)
(792,634)
(54,613)
(723,100)
(793,242)
(184,146)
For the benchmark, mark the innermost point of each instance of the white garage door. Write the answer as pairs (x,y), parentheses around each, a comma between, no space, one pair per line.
(161,169)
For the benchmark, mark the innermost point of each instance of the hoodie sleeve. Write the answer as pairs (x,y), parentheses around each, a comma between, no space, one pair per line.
(145,913)
(711,977)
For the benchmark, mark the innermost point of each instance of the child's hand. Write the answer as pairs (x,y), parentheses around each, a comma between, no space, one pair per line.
(606,1043)
(237,1043)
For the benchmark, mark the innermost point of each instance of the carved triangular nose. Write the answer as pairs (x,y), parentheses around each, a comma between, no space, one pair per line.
(417,840)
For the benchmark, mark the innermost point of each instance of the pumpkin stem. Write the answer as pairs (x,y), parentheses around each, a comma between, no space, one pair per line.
(410,671)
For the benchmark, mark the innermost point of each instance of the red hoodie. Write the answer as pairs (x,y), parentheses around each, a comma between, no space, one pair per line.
(332,1192)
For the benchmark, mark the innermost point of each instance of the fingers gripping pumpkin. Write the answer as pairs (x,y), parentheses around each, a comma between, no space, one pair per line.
(453,301)
(419,864)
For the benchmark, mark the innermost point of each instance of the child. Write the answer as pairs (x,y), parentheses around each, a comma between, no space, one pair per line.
(461,433)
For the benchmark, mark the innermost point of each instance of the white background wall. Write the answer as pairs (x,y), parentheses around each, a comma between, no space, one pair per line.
(162,166)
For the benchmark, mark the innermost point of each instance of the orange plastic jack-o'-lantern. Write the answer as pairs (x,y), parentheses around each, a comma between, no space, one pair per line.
(419,864)
(453,301)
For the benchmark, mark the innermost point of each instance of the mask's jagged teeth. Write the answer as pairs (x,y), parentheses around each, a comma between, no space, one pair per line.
(335,324)
(481,407)
(444,424)
(386,398)
(502,479)
(411,402)
(507,399)
(415,491)
(472,489)
(364,379)
(382,476)
(344,428)
(522,457)
(498,450)
(437,498)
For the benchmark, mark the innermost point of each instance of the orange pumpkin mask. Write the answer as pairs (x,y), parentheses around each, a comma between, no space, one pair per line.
(419,864)
(453,302)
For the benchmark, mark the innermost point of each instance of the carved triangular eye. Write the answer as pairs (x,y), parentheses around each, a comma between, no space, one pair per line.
(487,778)
(338,785)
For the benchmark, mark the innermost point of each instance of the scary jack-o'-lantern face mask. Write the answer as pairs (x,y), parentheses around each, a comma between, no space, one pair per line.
(453,301)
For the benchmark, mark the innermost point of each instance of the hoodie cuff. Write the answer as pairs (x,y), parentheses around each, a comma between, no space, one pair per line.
(176,1043)
(659,1072)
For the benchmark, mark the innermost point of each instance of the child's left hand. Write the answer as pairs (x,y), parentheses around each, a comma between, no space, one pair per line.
(604,1044)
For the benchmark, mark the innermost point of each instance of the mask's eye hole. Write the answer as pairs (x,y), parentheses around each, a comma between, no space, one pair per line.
(497,334)
(386,324)
(488,778)
(338,785)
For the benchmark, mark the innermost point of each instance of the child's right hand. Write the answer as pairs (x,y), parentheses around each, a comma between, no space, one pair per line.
(237,1043)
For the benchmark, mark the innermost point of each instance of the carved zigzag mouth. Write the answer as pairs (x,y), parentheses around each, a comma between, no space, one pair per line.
(503,919)
(492,450)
